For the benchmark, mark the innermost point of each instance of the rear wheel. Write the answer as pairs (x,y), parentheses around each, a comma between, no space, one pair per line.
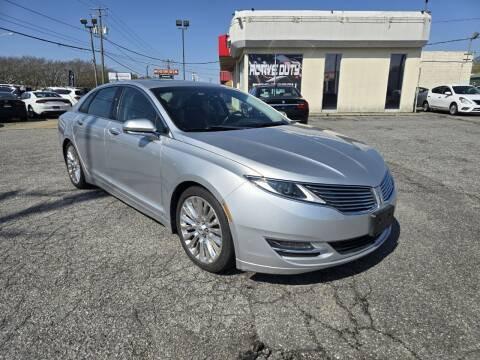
(74,167)
(453,109)
(425,106)
(204,231)
(30,113)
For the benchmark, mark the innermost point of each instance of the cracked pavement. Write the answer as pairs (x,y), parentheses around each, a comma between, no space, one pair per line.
(83,275)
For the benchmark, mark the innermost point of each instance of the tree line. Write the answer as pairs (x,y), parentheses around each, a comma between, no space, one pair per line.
(38,72)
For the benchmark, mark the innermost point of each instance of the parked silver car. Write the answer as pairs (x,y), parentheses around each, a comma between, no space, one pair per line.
(240,183)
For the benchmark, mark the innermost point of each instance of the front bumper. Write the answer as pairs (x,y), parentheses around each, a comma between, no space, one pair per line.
(469,108)
(257,216)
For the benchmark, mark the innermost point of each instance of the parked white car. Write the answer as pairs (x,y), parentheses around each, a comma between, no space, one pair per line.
(453,98)
(42,103)
(70,93)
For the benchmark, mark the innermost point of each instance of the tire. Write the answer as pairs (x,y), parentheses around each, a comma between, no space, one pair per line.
(74,167)
(30,113)
(425,106)
(453,109)
(199,239)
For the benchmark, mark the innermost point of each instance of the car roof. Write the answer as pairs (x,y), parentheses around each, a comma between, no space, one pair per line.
(274,85)
(155,83)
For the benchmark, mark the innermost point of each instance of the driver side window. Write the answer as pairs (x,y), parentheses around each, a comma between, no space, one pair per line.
(135,105)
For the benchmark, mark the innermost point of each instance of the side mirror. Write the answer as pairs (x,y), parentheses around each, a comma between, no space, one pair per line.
(139,126)
(448,93)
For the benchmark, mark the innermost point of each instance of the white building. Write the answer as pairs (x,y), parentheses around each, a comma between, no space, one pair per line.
(445,67)
(345,61)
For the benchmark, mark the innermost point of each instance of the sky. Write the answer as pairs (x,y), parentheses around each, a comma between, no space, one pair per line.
(148,27)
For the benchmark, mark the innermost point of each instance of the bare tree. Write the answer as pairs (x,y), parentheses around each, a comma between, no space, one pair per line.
(39,72)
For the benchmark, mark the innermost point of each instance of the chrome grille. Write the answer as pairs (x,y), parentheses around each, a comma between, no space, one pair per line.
(387,186)
(346,199)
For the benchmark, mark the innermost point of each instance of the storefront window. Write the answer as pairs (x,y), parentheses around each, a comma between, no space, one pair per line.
(330,81)
(395,80)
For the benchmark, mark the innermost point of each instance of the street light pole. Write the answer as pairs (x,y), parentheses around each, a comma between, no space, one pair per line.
(90,30)
(183,25)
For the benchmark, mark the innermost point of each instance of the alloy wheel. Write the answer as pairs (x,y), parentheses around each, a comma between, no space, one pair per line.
(73,165)
(201,229)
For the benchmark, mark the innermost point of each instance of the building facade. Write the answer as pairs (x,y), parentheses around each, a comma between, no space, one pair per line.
(340,61)
(445,67)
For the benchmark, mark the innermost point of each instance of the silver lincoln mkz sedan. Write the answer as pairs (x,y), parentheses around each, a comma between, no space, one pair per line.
(236,180)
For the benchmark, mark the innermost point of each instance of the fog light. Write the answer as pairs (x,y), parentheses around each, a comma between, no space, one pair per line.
(293,248)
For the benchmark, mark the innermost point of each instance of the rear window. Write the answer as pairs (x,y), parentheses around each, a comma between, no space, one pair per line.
(80,92)
(45,94)
(62,91)
(279,91)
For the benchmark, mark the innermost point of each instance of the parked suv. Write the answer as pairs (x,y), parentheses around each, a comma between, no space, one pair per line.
(454,98)
(70,93)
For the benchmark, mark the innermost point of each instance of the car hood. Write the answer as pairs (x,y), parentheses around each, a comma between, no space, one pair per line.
(471,96)
(297,153)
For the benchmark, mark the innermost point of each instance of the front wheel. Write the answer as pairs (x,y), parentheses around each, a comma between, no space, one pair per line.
(74,167)
(204,231)
(453,109)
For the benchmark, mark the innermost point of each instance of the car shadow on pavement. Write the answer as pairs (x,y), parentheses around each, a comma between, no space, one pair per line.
(337,272)
(52,205)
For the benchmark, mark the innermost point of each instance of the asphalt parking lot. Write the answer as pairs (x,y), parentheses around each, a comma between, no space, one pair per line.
(82,275)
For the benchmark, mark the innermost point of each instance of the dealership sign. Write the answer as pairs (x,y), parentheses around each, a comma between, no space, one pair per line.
(165,73)
(275,69)
(118,76)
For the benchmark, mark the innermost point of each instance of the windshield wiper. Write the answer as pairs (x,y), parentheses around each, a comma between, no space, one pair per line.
(216,128)
(265,125)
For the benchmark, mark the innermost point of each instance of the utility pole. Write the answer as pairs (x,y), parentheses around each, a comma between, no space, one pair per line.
(146,74)
(84,22)
(183,25)
(100,31)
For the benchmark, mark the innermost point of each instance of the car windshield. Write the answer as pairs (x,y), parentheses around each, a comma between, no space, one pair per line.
(62,91)
(79,92)
(45,94)
(277,91)
(212,108)
(6,95)
(466,90)
(5,89)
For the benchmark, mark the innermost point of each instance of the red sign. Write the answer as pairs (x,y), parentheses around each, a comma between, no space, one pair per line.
(161,72)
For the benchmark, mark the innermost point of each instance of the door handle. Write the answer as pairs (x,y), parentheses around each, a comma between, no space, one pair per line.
(114,131)
(80,122)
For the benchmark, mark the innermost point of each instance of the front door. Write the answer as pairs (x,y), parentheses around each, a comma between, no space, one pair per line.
(134,160)
(89,130)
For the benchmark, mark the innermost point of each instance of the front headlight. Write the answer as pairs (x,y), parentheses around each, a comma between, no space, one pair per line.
(287,189)
(465,101)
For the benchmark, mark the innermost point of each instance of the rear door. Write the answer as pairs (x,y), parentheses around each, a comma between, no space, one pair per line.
(434,97)
(134,159)
(90,126)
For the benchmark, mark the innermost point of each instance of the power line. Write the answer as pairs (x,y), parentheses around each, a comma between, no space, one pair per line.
(110,41)
(456,20)
(44,15)
(447,41)
(119,63)
(44,40)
